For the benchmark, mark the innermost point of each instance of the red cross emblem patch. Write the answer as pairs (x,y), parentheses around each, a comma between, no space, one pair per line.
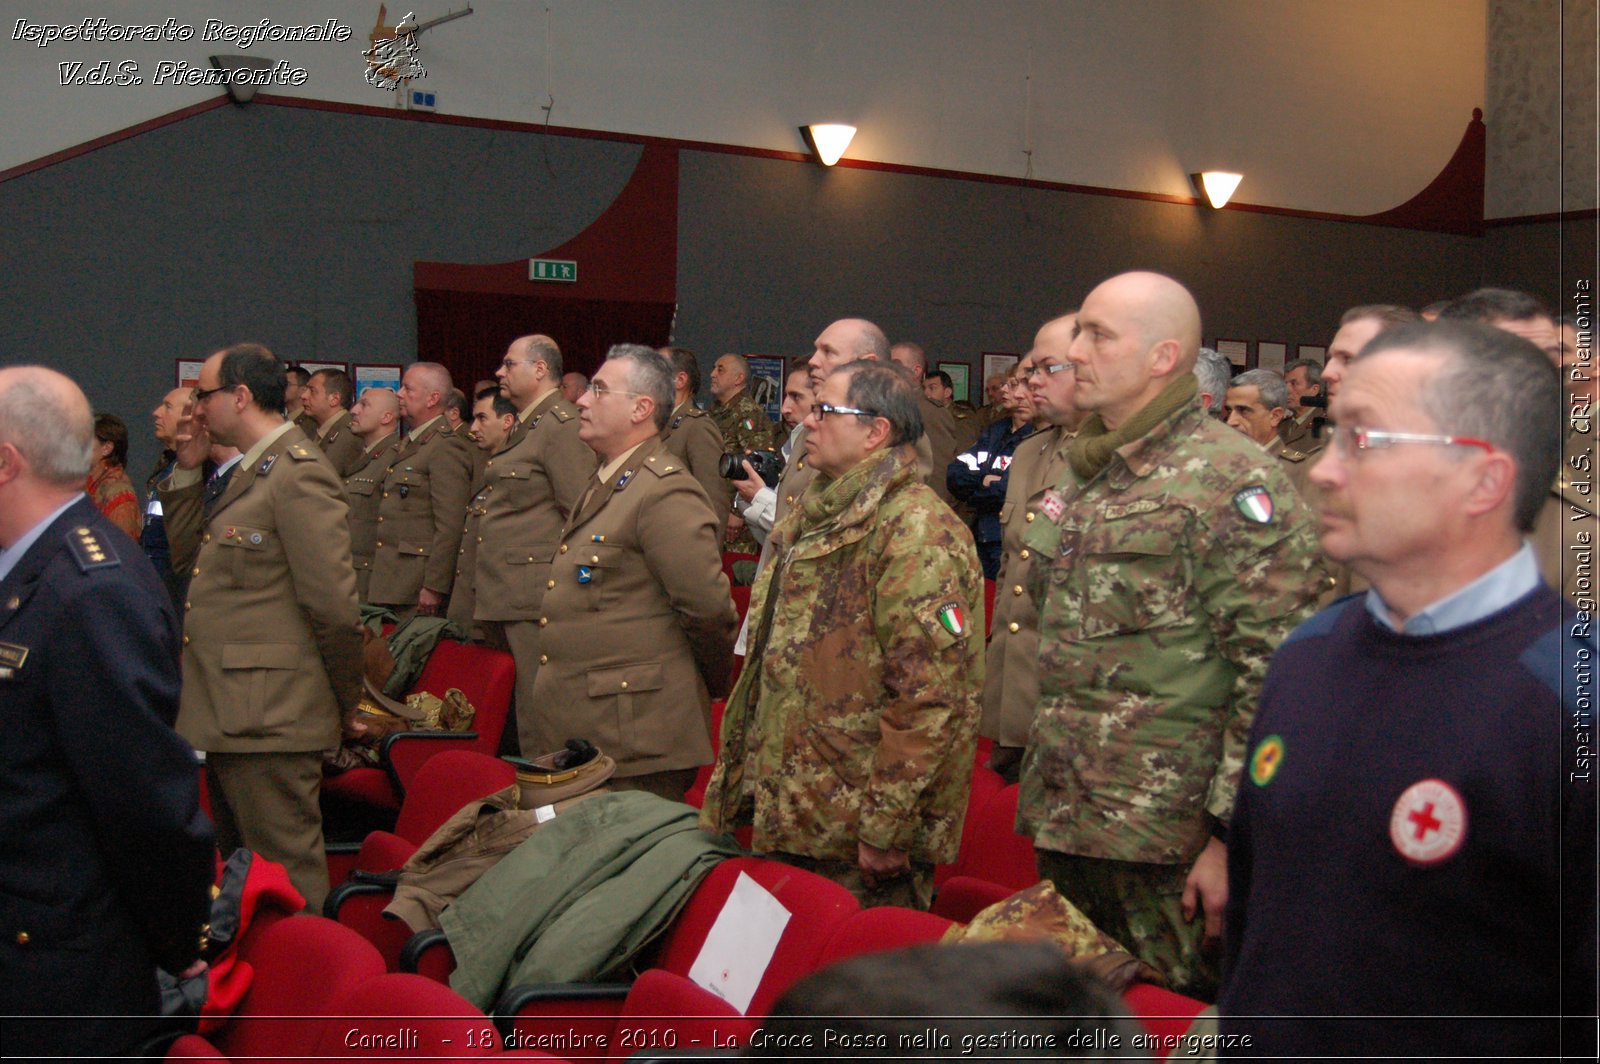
(1429,822)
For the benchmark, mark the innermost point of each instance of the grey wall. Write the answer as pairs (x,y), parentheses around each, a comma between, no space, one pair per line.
(769,252)
(299,228)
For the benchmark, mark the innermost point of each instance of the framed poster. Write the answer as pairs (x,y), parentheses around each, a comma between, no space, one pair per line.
(766,383)
(960,379)
(380,375)
(1312,351)
(1271,355)
(1235,351)
(312,367)
(995,363)
(188,372)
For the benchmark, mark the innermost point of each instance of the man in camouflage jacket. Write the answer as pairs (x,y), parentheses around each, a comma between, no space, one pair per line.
(1180,558)
(848,741)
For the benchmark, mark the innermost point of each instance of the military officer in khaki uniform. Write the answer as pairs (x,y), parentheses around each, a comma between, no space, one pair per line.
(375,420)
(693,436)
(1011,667)
(938,424)
(1302,378)
(295,382)
(424,501)
(493,418)
(532,486)
(1257,404)
(272,659)
(327,399)
(639,621)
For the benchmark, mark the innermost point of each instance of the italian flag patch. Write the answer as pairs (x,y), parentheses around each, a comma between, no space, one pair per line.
(1254,503)
(952,619)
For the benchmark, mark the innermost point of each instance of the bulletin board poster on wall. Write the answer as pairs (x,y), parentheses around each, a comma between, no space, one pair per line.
(188,372)
(766,383)
(376,376)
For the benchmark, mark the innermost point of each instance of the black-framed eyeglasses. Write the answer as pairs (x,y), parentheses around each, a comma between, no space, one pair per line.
(202,394)
(824,409)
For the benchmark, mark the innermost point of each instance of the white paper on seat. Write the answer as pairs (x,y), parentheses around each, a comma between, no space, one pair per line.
(740,944)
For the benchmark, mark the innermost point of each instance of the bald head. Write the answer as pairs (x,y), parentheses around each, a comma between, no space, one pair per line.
(375,414)
(1136,333)
(46,429)
(911,358)
(846,340)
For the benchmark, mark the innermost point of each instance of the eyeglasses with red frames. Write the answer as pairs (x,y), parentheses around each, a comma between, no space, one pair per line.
(1350,440)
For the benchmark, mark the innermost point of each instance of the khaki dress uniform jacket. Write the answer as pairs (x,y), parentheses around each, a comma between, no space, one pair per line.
(939,429)
(637,621)
(694,437)
(463,597)
(1011,669)
(363,491)
(345,450)
(272,642)
(420,515)
(272,648)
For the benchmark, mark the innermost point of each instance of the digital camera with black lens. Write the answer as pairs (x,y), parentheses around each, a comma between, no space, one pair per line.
(768,466)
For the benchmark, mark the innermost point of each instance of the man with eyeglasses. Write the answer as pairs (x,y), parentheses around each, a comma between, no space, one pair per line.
(638,620)
(848,740)
(1011,675)
(272,638)
(424,501)
(1413,843)
(1178,557)
(532,486)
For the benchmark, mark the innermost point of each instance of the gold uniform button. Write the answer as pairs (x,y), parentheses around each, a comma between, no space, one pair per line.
(563,548)
(185,640)
(380,520)
(188,605)
(1025,555)
(1013,626)
(14,602)
(550,583)
(1016,589)
(480,539)
(380,543)
(544,659)
(195,571)
(23,938)
(624,685)
(385,495)
(543,621)
(206,538)
(1029,518)
(595,560)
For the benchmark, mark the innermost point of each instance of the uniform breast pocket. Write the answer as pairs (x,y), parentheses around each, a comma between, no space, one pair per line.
(360,488)
(411,488)
(248,556)
(514,487)
(596,574)
(1134,573)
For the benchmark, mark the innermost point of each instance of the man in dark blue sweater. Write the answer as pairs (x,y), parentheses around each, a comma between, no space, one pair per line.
(1411,857)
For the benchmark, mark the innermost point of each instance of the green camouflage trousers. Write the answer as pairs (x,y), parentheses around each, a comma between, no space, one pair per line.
(1141,906)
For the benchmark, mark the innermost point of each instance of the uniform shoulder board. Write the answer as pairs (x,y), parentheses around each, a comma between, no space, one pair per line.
(1289,454)
(664,464)
(301,452)
(89,552)
(562,411)
(694,411)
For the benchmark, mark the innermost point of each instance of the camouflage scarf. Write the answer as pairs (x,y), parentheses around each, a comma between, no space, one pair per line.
(827,502)
(1091,452)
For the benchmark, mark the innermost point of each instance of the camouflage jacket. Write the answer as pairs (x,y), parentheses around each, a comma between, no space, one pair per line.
(745,426)
(1176,573)
(857,716)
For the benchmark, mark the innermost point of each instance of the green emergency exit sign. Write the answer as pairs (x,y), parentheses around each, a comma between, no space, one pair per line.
(563,270)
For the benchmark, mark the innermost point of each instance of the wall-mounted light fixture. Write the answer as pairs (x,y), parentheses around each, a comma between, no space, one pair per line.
(241,87)
(1215,186)
(828,140)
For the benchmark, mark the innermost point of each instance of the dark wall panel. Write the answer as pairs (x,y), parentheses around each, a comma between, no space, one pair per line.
(771,251)
(294,227)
